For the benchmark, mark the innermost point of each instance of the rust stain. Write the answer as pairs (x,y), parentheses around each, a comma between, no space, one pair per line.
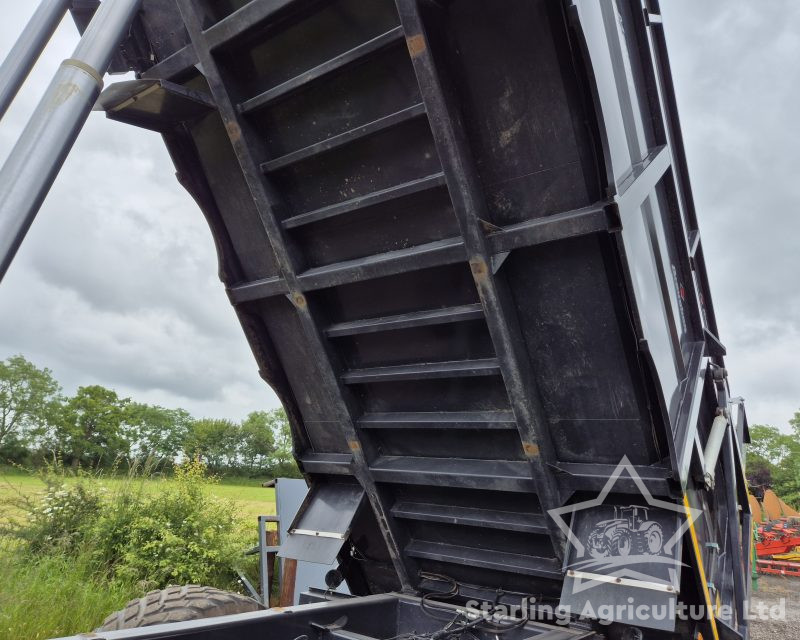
(488,227)
(531,449)
(354,445)
(416,45)
(479,269)
(299,300)
(234,131)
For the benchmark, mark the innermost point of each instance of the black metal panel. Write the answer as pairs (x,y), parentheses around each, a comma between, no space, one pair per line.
(154,104)
(322,524)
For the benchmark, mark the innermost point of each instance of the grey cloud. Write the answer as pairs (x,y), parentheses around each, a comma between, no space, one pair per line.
(116,283)
(735,71)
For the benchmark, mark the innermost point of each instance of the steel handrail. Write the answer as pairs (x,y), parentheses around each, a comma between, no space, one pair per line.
(37,157)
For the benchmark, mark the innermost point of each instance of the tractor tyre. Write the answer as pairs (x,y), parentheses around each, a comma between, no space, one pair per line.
(598,545)
(622,543)
(178,604)
(653,538)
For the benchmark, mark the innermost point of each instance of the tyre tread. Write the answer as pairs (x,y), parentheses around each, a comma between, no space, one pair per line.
(178,604)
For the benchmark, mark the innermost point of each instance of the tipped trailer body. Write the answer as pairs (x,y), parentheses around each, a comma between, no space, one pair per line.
(461,241)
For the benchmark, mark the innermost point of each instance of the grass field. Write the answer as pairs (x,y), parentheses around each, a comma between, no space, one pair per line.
(250,497)
(58,594)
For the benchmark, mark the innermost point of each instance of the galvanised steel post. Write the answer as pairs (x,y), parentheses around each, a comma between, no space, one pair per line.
(28,48)
(48,137)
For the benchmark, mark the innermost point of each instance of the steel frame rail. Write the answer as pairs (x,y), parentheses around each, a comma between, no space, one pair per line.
(470,207)
(29,46)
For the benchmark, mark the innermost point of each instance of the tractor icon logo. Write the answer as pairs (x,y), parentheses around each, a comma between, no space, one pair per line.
(613,541)
(628,533)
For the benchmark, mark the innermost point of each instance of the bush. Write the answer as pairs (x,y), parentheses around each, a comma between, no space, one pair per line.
(58,519)
(177,535)
(181,535)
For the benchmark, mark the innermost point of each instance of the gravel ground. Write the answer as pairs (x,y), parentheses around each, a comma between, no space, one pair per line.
(771,590)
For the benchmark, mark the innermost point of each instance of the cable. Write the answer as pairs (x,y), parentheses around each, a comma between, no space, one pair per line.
(448,631)
(510,592)
(447,595)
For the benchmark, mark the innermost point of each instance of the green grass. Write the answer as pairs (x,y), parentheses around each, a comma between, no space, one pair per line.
(54,596)
(251,498)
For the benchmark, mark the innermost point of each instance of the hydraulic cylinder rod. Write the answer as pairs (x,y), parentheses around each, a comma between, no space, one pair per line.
(36,159)
(712,449)
(28,48)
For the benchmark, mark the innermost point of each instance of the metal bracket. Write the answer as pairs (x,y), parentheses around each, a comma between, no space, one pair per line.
(498,259)
(715,348)
(319,534)
(625,582)
(652,19)
(157,105)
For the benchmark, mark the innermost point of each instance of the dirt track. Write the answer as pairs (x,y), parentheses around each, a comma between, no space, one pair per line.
(771,589)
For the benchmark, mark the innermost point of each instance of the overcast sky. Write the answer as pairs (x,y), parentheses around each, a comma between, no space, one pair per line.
(116,282)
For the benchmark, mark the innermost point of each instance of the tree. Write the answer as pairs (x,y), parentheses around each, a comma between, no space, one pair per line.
(283,462)
(90,427)
(213,441)
(768,443)
(27,398)
(257,440)
(96,426)
(773,458)
(156,432)
(789,468)
(759,474)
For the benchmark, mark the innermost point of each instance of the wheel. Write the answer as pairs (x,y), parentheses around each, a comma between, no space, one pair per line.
(653,538)
(598,545)
(178,604)
(621,544)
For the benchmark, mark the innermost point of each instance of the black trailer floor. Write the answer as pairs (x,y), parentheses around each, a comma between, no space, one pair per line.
(380,617)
